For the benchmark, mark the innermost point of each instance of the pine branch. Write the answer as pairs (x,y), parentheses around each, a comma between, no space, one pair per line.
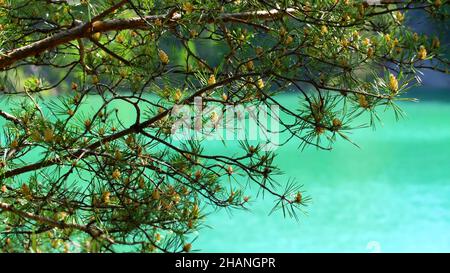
(85,30)
(133,129)
(92,230)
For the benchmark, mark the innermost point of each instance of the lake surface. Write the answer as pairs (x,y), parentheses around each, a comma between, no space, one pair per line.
(390,195)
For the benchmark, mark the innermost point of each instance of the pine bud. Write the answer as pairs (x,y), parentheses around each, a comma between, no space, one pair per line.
(214,117)
(289,40)
(370,52)
(252,149)
(87,124)
(344,43)
(259,50)
(106,197)
(230,170)
(60,216)
(54,243)
(193,33)
(188,7)
(337,123)
(96,36)
(198,175)
(117,155)
(156,194)
(26,191)
(120,39)
(298,198)
(163,57)
(282,31)
(187,247)
(260,84)
(129,140)
(250,66)
(116,174)
(212,80)
(363,101)
(48,135)
(14,144)
(395,42)
(178,95)
(436,43)
(393,84)
(366,42)
(399,16)
(141,183)
(422,54)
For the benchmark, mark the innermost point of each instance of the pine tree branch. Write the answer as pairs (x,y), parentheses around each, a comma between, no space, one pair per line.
(136,128)
(85,30)
(92,230)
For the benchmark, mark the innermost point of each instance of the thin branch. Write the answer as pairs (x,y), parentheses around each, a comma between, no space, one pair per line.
(110,52)
(10,117)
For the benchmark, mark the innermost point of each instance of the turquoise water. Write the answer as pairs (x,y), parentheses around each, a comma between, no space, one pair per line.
(390,195)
